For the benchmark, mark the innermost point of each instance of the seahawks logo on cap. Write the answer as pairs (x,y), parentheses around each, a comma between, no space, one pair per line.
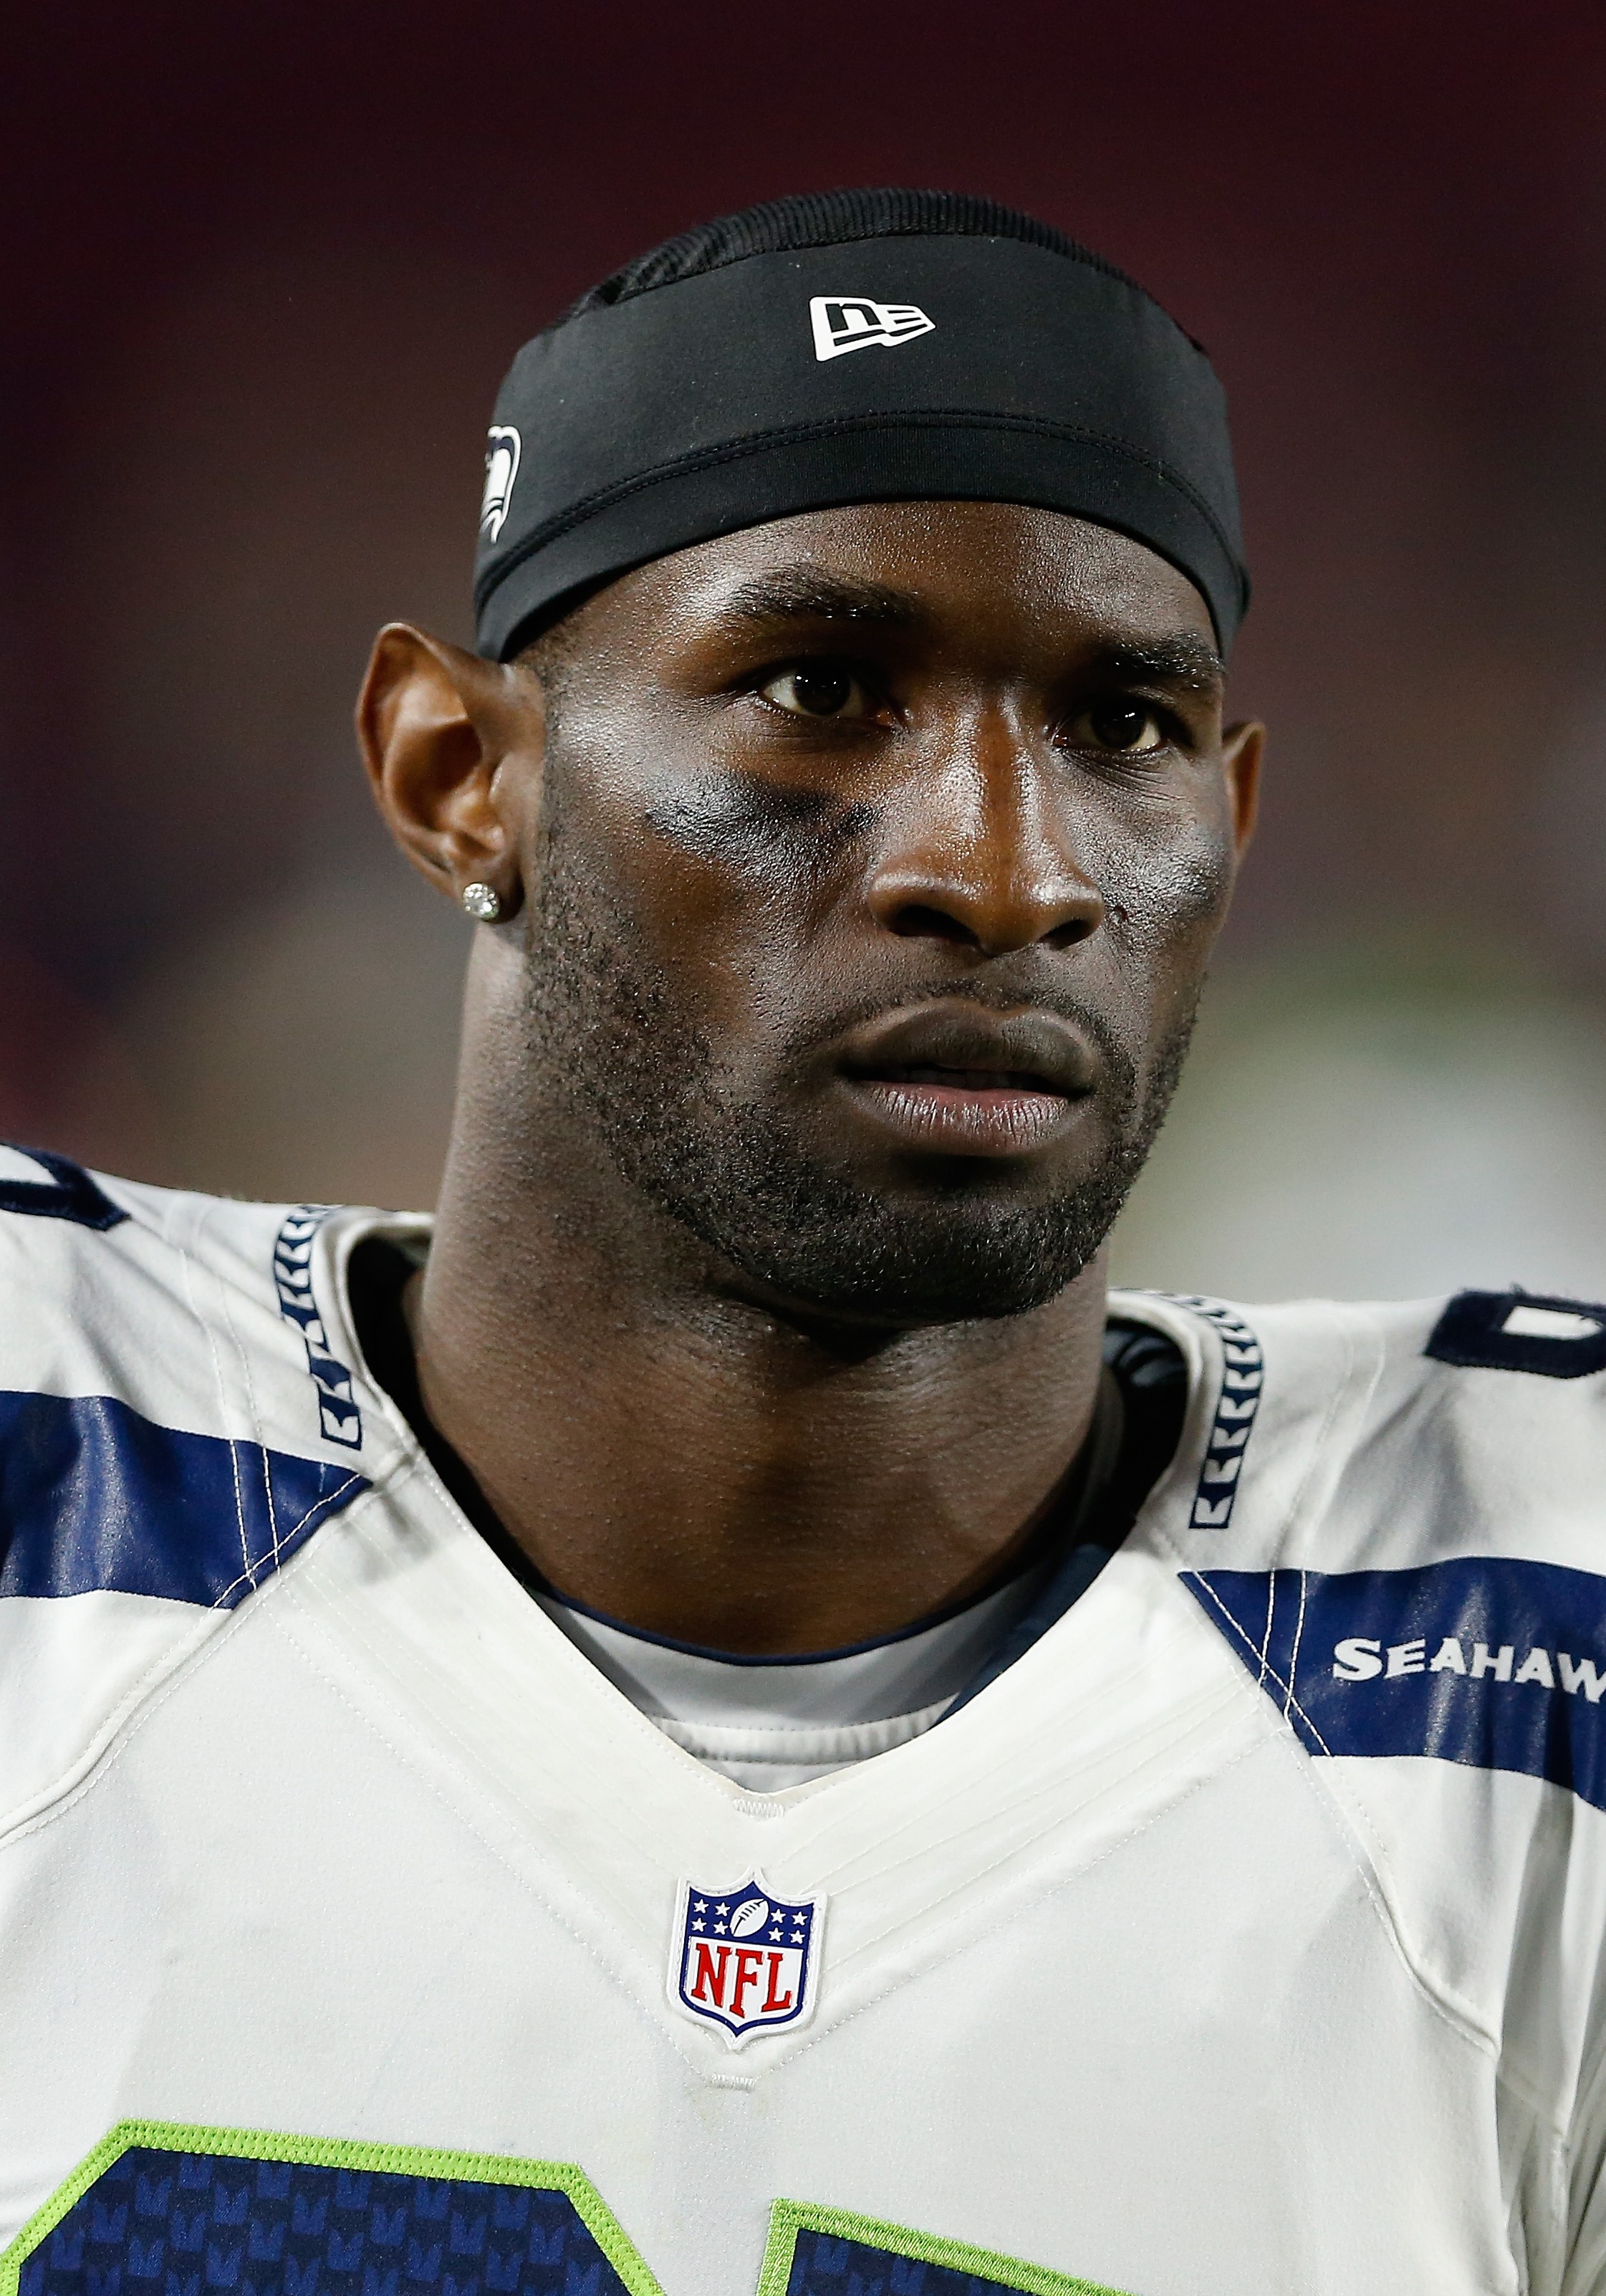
(852,322)
(501,469)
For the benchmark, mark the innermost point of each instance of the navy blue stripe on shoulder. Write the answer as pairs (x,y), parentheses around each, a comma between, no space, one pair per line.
(94,1497)
(1484,1660)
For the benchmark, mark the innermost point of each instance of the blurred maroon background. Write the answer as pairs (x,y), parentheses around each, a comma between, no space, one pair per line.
(265,267)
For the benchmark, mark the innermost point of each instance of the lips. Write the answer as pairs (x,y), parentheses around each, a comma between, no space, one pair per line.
(953,1079)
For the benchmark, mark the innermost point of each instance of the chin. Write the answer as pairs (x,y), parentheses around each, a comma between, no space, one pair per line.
(898,1269)
(961,1240)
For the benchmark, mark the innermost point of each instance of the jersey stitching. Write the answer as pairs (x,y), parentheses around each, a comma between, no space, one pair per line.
(1290,1704)
(96,1765)
(176,2139)
(643,1727)
(1461,2016)
(1335,1400)
(253,1566)
(109,1745)
(1018,1913)
(99,1765)
(893,1829)
(1230,1417)
(414,1461)
(1265,1646)
(780,1742)
(190,1269)
(41,1806)
(662,1747)
(466,1772)
(140,1710)
(460,1817)
(1369,1861)
(1293,1658)
(1565,2155)
(977,2268)
(255,1416)
(68,1798)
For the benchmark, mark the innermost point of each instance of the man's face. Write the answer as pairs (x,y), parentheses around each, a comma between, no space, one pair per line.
(876,860)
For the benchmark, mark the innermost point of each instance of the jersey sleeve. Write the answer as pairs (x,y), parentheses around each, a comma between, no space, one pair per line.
(166,1445)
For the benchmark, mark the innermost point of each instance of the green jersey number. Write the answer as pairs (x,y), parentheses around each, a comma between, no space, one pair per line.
(160,2210)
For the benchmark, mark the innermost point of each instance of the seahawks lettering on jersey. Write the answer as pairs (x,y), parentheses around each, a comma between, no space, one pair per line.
(1486,1662)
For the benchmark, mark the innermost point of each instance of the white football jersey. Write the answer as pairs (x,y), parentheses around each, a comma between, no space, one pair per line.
(359,1937)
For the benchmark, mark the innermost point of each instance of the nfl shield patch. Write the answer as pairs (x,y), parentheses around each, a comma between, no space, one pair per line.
(745,1959)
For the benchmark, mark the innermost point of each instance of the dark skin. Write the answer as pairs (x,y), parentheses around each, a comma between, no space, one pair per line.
(939,792)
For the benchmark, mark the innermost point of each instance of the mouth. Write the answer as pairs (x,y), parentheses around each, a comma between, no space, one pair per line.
(954,1081)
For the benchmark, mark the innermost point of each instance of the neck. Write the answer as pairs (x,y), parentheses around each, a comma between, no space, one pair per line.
(699,1464)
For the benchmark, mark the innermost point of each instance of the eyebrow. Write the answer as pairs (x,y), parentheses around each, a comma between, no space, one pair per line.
(805,595)
(1182,660)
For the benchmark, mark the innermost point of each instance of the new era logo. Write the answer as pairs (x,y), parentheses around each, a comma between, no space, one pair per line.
(852,322)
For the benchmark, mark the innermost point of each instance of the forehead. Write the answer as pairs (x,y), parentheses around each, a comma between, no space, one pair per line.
(1007,570)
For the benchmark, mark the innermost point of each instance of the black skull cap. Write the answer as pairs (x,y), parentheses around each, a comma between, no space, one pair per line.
(849,347)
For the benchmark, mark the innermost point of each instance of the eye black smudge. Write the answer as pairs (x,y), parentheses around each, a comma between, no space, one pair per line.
(1159,889)
(741,821)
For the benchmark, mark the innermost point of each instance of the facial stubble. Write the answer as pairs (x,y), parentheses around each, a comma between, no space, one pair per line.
(608,1029)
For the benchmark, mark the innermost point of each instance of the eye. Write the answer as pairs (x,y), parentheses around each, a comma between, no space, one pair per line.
(1126,728)
(825,689)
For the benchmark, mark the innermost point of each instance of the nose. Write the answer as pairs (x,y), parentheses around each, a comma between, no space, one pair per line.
(981,853)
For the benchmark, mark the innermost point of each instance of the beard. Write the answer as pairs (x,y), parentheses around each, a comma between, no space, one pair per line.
(607,1030)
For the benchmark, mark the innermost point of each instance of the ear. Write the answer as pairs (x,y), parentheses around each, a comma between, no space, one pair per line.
(1242,747)
(444,735)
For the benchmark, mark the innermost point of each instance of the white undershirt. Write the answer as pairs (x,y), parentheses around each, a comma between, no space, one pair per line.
(770,1723)
(766,1724)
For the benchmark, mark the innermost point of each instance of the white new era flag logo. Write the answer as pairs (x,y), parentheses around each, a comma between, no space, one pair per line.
(852,322)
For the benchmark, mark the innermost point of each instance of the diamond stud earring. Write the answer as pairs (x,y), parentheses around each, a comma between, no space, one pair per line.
(482,903)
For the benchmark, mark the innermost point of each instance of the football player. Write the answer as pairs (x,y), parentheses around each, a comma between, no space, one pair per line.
(719,1718)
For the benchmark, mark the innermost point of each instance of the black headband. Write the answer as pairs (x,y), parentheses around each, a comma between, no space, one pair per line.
(914,365)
